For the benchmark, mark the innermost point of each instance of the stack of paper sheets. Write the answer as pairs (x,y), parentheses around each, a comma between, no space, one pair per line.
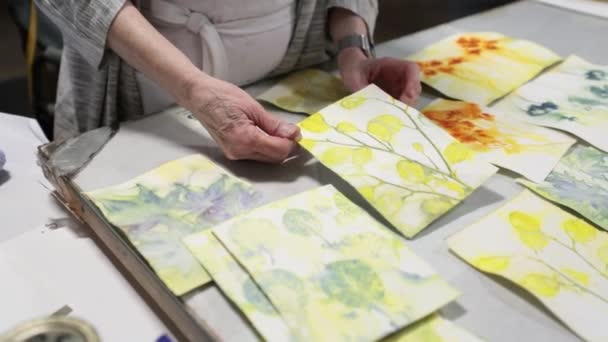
(317,267)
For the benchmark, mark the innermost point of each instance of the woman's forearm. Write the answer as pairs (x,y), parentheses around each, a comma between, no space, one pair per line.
(137,42)
(343,23)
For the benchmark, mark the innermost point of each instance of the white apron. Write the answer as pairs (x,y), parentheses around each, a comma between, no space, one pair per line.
(239,41)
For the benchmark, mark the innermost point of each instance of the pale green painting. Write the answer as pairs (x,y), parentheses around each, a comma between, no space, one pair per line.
(407,167)
(559,258)
(305,91)
(332,271)
(579,181)
(572,97)
(157,209)
(238,286)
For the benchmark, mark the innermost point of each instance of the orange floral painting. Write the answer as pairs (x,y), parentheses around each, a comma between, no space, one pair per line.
(523,148)
(481,67)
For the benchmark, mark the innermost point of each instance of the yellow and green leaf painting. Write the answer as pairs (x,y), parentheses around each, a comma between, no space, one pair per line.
(579,181)
(559,258)
(481,67)
(238,286)
(572,97)
(331,271)
(529,150)
(407,167)
(157,209)
(305,91)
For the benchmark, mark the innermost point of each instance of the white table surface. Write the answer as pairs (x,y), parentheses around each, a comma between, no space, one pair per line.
(489,307)
(44,269)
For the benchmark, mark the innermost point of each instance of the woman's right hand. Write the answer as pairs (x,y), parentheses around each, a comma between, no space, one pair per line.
(238,123)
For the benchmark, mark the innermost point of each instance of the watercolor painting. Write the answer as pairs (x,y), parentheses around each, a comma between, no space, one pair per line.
(157,209)
(238,286)
(580,182)
(529,150)
(331,271)
(403,164)
(481,67)
(572,97)
(305,91)
(559,258)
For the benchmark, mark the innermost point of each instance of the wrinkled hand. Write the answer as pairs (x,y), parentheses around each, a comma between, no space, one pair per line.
(239,124)
(399,78)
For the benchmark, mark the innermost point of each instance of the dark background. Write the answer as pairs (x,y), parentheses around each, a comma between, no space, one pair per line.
(397,18)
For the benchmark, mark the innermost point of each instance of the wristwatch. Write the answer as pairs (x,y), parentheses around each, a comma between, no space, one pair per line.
(360,41)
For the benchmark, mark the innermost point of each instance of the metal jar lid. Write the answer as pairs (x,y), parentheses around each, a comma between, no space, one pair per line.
(52,329)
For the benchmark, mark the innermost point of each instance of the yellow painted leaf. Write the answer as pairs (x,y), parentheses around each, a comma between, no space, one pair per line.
(308,144)
(435,206)
(452,186)
(336,155)
(411,171)
(492,264)
(367,192)
(541,284)
(389,203)
(534,240)
(352,102)
(346,127)
(579,230)
(418,147)
(457,152)
(523,221)
(361,156)
(580,277)
(384,127)
(315,123)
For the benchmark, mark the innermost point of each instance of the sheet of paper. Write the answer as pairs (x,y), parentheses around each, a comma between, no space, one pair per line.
(579,181)
(572,97)
(529,150)
(593,7)
(332,271)
(157,209)
(238,285)
(43,270)
(408,168)
(481,67)
(306,91)
(560,259)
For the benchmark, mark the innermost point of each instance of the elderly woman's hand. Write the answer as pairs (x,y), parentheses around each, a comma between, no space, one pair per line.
(399,78)
(239,124)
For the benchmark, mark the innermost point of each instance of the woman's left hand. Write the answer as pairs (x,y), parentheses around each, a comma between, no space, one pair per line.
(399,78)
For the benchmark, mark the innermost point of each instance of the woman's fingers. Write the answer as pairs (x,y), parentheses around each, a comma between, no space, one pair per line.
(276,149)
(275,126)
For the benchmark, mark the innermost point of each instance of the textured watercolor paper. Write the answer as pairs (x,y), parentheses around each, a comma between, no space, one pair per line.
(157,209)
(572,97)
(560,259)
(332,271)
(529,150)
(305,91)
(407,167)
(481,67)
(580,182)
